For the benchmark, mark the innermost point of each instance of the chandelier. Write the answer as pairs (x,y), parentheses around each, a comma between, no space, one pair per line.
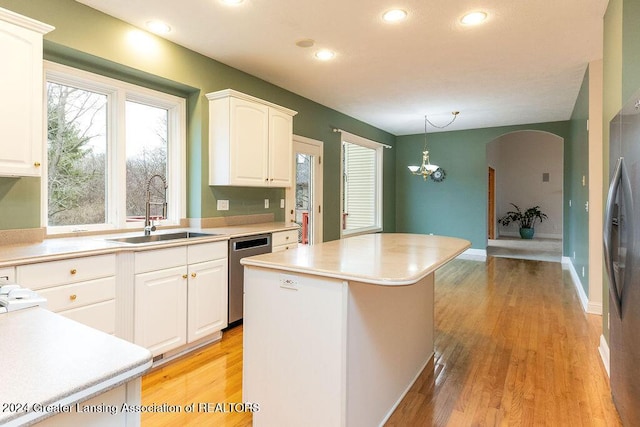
(426,169)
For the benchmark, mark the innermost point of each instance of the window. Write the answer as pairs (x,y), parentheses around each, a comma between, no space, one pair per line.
(105,140)
(361,185)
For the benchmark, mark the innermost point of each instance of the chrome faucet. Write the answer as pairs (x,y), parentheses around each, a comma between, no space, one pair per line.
(148,223)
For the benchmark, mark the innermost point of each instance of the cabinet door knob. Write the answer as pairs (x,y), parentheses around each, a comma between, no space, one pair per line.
(266,180)
(73,297)
(36,164)
(184,276)
(73,271)
(193,274)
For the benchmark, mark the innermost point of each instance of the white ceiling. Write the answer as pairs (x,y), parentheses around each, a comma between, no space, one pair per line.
(523,65)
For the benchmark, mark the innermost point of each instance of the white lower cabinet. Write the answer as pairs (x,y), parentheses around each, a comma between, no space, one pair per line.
(181,304)
(207,299)
(161,309)
(82,289)
(284,240)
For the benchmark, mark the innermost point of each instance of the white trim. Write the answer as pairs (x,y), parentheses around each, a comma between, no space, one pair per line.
(25,22)
(474,255)
(603,349)
(406,390)
(539,235)
(212,96)
(315,148)
(587,306)
(118,93)
(363,142)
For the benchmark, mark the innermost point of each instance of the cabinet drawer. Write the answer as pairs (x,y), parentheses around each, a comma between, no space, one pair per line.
(284,247)
(53,273)
(77,295)
(100,316)
(8,273)
(160,259)
(284,237)
(207,251)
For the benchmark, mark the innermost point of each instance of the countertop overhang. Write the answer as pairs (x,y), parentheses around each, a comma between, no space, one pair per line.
(391,259)
(51,360)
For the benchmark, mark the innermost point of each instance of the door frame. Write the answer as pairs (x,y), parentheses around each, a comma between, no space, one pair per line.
(491,203)
(302,144)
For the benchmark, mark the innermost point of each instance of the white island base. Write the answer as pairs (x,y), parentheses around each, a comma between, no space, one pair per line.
(328,352)
(335,334)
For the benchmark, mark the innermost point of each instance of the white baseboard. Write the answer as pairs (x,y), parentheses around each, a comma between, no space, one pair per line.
(474,255)
(568,265)
(603,349)
(587,306)
(539,235)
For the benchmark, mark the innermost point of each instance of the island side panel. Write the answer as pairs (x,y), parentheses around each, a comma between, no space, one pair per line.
(390,341)
(294,363)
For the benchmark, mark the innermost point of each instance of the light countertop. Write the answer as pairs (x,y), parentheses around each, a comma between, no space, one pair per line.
(49,359)
(59,248)
(381,259)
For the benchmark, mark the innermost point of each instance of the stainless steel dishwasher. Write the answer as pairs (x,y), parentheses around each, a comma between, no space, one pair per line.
(239,248)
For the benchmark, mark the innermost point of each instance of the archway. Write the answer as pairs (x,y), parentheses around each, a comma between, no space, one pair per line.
(526,168)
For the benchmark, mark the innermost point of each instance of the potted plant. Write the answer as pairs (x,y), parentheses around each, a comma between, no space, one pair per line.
(526,219)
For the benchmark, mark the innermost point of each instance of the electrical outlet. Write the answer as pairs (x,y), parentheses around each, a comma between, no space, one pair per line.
(281,203)
(266,203)
(223,205)
(289,282)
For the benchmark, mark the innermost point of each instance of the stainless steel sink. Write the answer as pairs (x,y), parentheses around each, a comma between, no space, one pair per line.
(162,237)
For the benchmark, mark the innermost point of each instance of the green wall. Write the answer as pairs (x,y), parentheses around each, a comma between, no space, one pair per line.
(576,158)
(92,40)
(456,206)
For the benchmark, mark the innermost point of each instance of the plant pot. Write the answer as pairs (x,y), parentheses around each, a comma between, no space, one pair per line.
(527,233)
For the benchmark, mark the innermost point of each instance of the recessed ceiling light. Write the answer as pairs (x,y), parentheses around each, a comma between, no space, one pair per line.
(158,27)
(394,15)
(232,2)
(473,18)
(325,54)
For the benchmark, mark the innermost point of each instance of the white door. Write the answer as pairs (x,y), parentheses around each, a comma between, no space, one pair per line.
(304,197)
(160,321)
(249,143)
(280,133)
(207,306)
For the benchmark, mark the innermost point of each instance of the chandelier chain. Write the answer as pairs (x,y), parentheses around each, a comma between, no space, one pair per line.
(426,119)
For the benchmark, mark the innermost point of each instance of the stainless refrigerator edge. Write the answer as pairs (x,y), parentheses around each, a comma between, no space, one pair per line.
(622,260)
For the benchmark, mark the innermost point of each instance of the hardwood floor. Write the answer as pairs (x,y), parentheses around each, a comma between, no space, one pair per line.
(513,347)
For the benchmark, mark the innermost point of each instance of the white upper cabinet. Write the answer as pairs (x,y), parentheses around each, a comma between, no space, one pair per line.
(250,141)
(21,109)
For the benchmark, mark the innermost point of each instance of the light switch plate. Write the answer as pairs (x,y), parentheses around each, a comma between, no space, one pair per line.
(266,203)
(281,203)
(223,205)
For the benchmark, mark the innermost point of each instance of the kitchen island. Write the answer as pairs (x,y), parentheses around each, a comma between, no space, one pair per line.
(336,333)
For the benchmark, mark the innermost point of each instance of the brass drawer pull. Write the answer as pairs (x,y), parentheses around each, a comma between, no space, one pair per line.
(184,276)
(36,164)
(193,274)
(73,297)
(73,271)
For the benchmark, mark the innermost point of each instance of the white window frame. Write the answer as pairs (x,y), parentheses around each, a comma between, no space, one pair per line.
(118,93)
(378,147)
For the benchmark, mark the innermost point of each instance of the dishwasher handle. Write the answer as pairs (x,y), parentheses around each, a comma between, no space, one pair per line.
(246,244)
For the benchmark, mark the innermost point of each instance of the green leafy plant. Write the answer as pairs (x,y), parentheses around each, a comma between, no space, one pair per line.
(526,219)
